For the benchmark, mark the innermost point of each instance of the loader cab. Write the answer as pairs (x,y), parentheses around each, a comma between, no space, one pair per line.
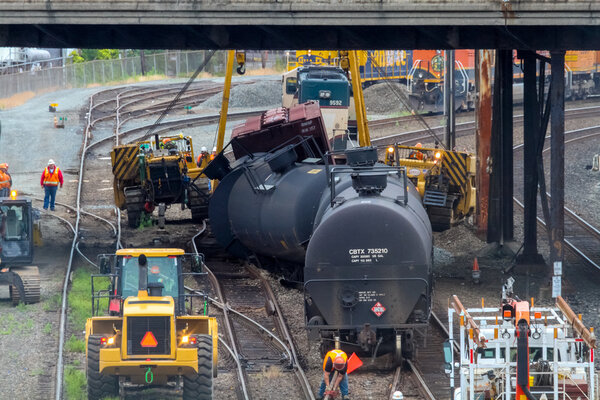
(162,270)
(165,274)
(16,231)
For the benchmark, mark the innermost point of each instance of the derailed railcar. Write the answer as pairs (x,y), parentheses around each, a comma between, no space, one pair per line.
(368,266)
(357,235)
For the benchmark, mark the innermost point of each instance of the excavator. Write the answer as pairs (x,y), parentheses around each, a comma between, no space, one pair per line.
(16,249)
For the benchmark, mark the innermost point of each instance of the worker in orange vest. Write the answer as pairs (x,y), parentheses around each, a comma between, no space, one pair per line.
(5,180)
(202,160)
(416,154)
(335,360)
(213,154)
(51,178)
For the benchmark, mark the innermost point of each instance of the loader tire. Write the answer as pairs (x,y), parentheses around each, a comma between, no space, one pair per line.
(134,198)
(200,385)
(98,386)
(30,276)
(197,202)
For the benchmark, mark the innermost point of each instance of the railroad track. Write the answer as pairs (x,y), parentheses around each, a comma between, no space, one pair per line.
(259,340)
(462,129)
(426,371)
(100,110)
(581,238)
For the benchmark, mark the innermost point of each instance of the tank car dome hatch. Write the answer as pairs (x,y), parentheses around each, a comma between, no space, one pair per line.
(369,183)
(361,157)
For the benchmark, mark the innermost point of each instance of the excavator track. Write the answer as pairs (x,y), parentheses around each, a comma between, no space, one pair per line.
(30,276)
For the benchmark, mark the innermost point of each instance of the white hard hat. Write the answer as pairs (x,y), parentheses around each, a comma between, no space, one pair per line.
(214,148)
(397,395)
(51,162)
(203,149)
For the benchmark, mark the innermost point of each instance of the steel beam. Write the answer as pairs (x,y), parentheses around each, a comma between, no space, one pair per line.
(494,234)
(505,63)
(449,103)
(557,168)
(531,129)
(484,136)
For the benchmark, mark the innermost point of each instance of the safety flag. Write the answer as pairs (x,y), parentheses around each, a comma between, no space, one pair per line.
(354,363)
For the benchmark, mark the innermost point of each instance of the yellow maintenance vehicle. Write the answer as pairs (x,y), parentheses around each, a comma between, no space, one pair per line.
(145,329)
(158,173)
(17,235)
(445,179)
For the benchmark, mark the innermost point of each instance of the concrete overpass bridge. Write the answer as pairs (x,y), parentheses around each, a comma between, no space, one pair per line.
(289,24)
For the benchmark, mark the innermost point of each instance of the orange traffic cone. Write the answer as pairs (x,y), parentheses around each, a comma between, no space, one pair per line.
(476,273)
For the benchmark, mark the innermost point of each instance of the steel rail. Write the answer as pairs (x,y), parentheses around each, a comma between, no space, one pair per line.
(284,329)
(177,123)
(421,134)
(569,213)
(63,311)
(228,325)
(289,348)
(420,380)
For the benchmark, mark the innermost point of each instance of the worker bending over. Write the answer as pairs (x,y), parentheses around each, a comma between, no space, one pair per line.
(335,360)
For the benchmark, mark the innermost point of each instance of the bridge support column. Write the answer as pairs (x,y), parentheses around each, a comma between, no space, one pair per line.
(531,137)
(500,220)
(557,169)
(483,137)
(449,101)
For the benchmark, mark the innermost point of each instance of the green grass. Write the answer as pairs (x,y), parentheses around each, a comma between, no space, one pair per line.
(75,383)
(37,371)
(10,324)
(47,328)
(53,303)
(22,307)
(75,345)
(80,297)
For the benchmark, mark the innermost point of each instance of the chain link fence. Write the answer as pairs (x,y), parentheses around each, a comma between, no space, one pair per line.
(171,64)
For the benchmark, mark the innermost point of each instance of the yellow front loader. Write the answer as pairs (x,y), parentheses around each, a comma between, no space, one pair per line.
(145,329)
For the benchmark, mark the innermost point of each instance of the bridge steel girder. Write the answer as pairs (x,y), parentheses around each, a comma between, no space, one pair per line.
(59,32)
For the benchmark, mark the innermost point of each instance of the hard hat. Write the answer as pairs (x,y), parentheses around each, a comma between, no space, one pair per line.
(203,149)
(397,395)
(51,162)
(166,140)
(4,166)
(339,363)
(215,149)
(418,145)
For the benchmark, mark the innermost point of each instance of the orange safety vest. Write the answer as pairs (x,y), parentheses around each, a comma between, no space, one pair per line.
(212,156)
(4,180)
(201,160)
(416,155)
(333,354)
(51,179)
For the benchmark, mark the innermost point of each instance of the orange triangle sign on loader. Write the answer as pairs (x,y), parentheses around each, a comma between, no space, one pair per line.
(354,363)
(149,340)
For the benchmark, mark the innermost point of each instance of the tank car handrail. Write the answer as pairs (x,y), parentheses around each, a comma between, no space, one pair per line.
(331,172)
(303,141)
